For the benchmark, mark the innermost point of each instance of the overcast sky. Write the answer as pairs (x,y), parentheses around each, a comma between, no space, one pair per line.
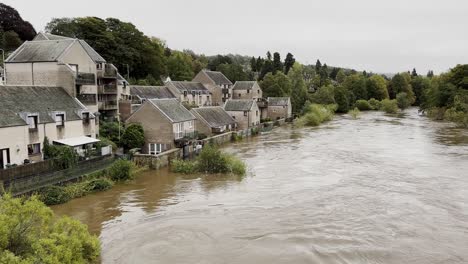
(373,35)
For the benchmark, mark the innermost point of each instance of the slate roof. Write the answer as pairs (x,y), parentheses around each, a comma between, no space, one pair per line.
(151,92)
(48,36)
(190,87)
(92,53)
(243,85)
(214,116)
(41,50)
(218,77)
(278,101)
(238,105)
(35,99)
(173,109)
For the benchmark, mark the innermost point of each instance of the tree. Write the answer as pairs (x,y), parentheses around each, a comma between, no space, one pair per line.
(323,74)
(299,89)
(324,95)
(400,83)
(318,67)
(420,85)
(377,87)
(259,64)
(10,20)
(414,73)
(356,84)
(277,65)
(288,63)
(276,85)
(179,66)
(253,64)
(341,99)
(430,74)
(233,72)
(334,73)
(11,41)
(402,100)
(29,233)
(340,76)
(133,137)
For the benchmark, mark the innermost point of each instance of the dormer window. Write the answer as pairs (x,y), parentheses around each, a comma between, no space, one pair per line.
(60,120)
(245,113)
(32,122)
(185,93)
(248,91)
(85,117)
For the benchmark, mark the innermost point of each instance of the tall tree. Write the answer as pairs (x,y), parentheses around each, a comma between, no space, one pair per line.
(299,89)
(10,20)
(277,64)
(253,64)
(318,67)
(288,63)
(414,73)
(233,72)
(276,85)
(334,73)
(179,66)
(323,74)
(341,99)
(356,84)
(340,76)
(430,74)
(400,83)
(377,87)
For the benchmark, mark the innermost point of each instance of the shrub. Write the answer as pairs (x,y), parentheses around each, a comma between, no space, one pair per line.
(264,120)
(106,142)
(316,114)
(121,170)
(374,104)
(354,113)
(77,190)
(100,184)
(254,131)
(54,195)
(235,165)
(403,101)
(389,106)
(201,136)
(184,166)
(362,105)
(110,130)
(32,234)
(133,137)
(459,117)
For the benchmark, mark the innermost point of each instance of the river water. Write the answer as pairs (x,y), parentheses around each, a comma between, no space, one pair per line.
(379,189)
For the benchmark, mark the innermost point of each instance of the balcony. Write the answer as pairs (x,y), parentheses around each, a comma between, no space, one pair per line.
(87,99)
(107,88)
(83,78)
(109,71)
(108,105)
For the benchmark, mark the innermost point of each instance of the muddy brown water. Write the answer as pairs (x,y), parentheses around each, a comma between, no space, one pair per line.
(379,189)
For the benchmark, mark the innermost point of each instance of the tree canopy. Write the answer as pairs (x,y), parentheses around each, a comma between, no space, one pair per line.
(13,29)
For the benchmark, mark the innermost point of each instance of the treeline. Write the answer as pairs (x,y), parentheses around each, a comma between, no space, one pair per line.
(13,29)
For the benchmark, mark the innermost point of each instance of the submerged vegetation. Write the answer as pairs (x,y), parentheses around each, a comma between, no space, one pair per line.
(355,113)
(315,114)
(120,170)
(210,161)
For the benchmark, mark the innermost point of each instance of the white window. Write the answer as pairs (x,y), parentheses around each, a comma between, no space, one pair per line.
(178,130)
(34,149)
(60,119)
(32,122)
(155,148)
(190,124)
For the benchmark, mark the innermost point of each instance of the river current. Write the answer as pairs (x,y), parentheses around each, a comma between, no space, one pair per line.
(379,189)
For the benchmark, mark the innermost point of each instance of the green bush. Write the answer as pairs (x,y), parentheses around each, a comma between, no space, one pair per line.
(133,137)
(316,114)
(362,105)
(106,142)
(403,101)
(201,136)
(121,170)
(389,106)
(77,190)
(235,165)
(355,113)
(459,117)
(374,104)
(100,184)
(184,166)
(54,195)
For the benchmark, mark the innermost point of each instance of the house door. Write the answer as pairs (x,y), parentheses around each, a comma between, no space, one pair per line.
(4,157)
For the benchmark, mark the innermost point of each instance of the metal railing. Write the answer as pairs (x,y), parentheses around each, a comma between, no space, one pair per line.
(87,99)
(109,71)
(83,78)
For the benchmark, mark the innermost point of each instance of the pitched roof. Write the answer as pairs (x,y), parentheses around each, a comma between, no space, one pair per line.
(151,92)
(91,52)
(218,77)
(244,85)
(43,100)
(48,36)
(238,105)
(41,50)
(190,87)
(214,116)
(173,109)
(278,101)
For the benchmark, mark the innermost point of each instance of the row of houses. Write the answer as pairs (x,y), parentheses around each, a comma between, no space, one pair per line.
(60,88)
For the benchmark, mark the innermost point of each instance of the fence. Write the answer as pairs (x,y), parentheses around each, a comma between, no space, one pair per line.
(30,183)
(26,170)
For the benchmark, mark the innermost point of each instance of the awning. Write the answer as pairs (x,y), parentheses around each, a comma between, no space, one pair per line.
(77,141)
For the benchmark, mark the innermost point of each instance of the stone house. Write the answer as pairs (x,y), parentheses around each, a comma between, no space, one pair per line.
(191,93)
(28,114)
(139,94)
(53,60)
(165,122)
(279,107)
(213,120)
(217,83)
(247,90)
(245,112)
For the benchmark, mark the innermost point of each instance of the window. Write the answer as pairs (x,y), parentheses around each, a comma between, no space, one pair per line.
(60,120)
(85,118)
(256,112)
(34,149)
(233,117)
(239,95)
(185,93)
(178,130)
(248,91)
(155,148)
(32,122)
(190,124)
(258,91)
(245,113)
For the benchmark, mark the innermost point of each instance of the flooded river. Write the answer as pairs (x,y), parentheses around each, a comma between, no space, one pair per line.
(379,189)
